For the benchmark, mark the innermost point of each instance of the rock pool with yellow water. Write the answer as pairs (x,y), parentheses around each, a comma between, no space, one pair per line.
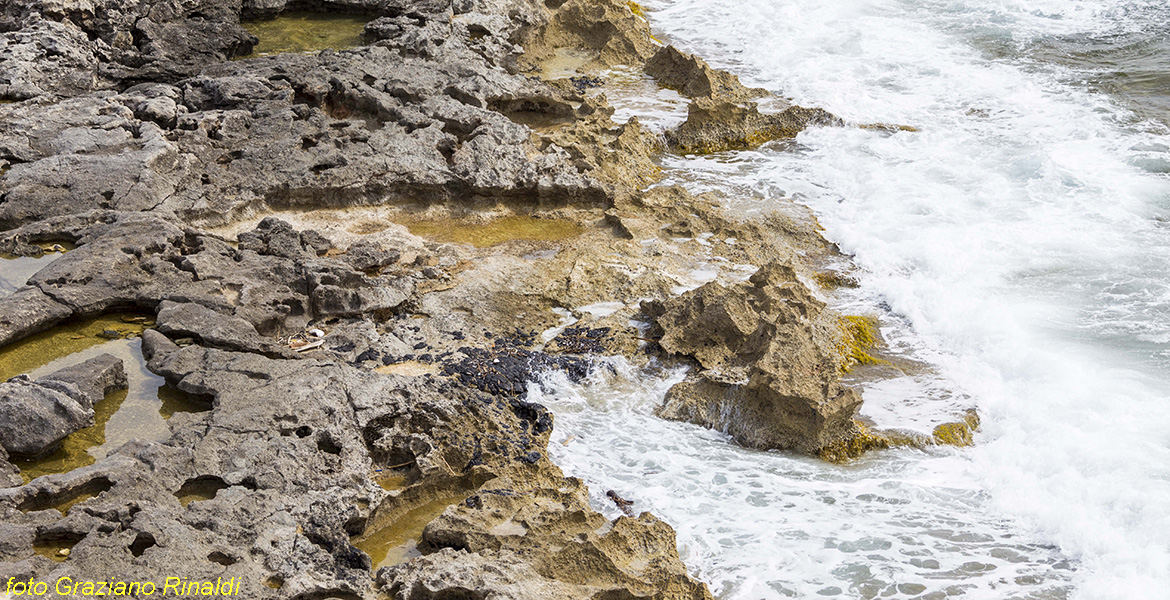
(139,412)
(306,32)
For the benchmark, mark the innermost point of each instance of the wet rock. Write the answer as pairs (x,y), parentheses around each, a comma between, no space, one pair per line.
(768,363)
(94,378)
(509,365)
(716,125)
(960,433)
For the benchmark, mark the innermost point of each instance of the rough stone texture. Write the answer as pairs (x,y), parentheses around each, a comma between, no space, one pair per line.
(279,478)
(9,476)
(716,125)
(363,127)
(28,311)
(68,48)
(768,363)
(634,555)
(36,415)
(94,378)
(34,418)
(135,138)
(213,329)
(690,76)
(607,28)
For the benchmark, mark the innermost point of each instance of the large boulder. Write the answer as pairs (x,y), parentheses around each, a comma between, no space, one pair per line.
(93,378)
(769,360)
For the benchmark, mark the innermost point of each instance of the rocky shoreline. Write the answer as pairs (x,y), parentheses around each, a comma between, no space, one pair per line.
(360,259)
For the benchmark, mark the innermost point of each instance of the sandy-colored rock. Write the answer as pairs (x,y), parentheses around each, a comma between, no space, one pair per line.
(768,363)
(716,125)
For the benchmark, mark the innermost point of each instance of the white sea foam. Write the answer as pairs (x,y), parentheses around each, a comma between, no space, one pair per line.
(1019,244)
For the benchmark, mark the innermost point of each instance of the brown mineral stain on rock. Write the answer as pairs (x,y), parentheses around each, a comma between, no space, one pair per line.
(396,543)
(63,340)
(73,453)
(306,32)
(498,231)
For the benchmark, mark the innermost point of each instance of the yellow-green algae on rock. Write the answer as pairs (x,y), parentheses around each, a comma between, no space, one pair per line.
(960,433)
(306,32)
(498,231)
(859,335)
(848,449)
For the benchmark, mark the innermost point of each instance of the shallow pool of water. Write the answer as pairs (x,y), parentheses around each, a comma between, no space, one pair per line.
(302,32)
(139,412)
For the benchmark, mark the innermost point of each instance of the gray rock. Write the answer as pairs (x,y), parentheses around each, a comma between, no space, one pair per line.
(9,476)
(212,328)
(366,255)
(28,311)
(94,378)
(35,416)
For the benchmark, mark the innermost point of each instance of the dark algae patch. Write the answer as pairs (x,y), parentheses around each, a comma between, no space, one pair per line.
(306,32)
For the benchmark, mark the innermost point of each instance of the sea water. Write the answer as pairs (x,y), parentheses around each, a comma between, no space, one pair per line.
(1018,243)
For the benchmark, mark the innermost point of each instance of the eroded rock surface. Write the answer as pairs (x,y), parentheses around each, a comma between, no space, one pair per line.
(361,371)
(769,363)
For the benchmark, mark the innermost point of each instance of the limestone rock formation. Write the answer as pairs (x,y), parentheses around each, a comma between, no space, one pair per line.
(768,363)
(244,202)
(716,125)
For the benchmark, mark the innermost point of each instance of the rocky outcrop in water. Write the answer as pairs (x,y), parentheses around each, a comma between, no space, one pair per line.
(36,415)
(365,375)
(768,363)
